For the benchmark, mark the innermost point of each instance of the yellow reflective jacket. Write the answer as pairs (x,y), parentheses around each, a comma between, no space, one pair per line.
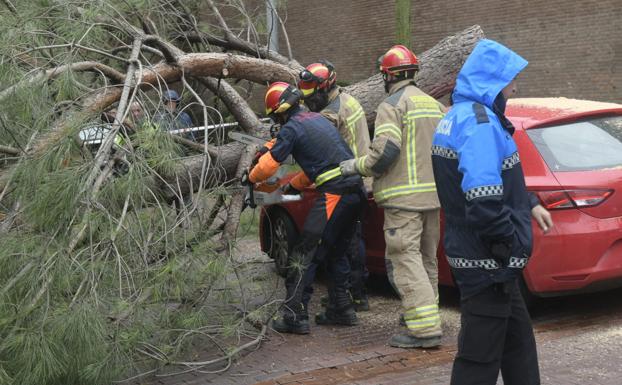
(348,116)
(400,154)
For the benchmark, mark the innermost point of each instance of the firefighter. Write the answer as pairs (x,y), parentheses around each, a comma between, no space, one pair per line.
(488,236)
(317,147)
(321,94)
(399,161)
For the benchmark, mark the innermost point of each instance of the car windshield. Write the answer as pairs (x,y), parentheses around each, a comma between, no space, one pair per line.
(594,144)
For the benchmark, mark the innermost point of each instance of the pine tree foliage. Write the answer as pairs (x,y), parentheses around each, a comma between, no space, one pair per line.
(99,284)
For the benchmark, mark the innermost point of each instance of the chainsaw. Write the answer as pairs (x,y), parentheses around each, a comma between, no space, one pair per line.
(268,192)
(265,194)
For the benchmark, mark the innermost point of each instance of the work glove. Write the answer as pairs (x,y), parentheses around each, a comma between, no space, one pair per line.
(348,167)
(288,189)
(259,154)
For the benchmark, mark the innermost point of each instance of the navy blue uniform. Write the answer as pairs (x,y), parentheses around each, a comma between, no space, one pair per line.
(318,148)
(488,238)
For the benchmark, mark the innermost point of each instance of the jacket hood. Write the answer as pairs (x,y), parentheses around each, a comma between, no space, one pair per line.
(488,70)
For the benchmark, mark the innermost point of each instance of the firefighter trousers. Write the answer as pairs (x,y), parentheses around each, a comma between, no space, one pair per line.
(496,335)
(326,235)
(358,263)
(411,239)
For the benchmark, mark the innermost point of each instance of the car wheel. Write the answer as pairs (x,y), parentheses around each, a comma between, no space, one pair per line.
(283,235)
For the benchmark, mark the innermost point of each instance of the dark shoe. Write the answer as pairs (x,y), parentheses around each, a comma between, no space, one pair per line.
(331,317)
(407,341)
(324,301)
(361,304)
(402,320)
(284,325)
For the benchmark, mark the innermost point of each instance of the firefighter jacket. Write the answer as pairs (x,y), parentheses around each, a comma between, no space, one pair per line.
(317,147)
(348,116)
(399,157)
(479,177)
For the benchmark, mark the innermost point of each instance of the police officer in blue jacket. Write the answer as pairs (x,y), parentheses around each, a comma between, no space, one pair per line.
(488,236)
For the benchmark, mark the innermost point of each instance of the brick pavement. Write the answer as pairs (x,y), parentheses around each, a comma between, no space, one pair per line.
(569,355)
(578,339)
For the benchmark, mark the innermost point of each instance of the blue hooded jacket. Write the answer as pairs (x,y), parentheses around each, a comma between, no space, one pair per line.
(478,175)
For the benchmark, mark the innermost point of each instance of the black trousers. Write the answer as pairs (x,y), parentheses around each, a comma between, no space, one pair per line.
(358,263)
(326,235)
(496,335)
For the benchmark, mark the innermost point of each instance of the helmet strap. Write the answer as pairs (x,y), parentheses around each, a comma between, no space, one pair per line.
(389,80)
(317,101)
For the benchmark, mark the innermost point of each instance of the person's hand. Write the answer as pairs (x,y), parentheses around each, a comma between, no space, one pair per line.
(543,217)
(288,189)
(262,150)
(348,167)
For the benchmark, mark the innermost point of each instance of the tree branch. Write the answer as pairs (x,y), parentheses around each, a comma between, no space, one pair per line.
(169,51)
(85,66)
(235,103)
(11,7)
(9,150)
(232,42)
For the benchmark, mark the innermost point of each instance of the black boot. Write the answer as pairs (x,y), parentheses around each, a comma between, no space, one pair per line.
(324,301)
(407,341)
(331,316)
(361,303)
(291,325)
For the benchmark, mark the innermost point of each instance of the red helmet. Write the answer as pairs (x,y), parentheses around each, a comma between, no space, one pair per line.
(317,76)
(398,59)
(280,96)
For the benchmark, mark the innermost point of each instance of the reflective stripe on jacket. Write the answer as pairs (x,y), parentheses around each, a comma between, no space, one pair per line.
(400,154)
(346,113)
(316,146)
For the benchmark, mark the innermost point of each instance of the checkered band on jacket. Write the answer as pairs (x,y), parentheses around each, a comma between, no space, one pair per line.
(463,263)
(486,264)
(444,152)
(484,191)
(510,161)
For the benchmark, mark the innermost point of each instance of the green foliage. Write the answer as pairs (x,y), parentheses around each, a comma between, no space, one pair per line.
(249,223)
(54,200)
(158,148)
(138,288)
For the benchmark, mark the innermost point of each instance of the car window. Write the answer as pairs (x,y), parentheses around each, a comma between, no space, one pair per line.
(594,144)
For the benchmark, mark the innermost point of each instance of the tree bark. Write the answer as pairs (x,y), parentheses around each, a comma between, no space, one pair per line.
(85,66)
(202,65)
(188,173)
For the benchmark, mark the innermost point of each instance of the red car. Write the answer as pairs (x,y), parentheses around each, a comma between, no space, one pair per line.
(571,153)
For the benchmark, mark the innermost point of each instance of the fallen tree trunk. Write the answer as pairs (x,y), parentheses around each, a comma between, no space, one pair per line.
(437,76)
